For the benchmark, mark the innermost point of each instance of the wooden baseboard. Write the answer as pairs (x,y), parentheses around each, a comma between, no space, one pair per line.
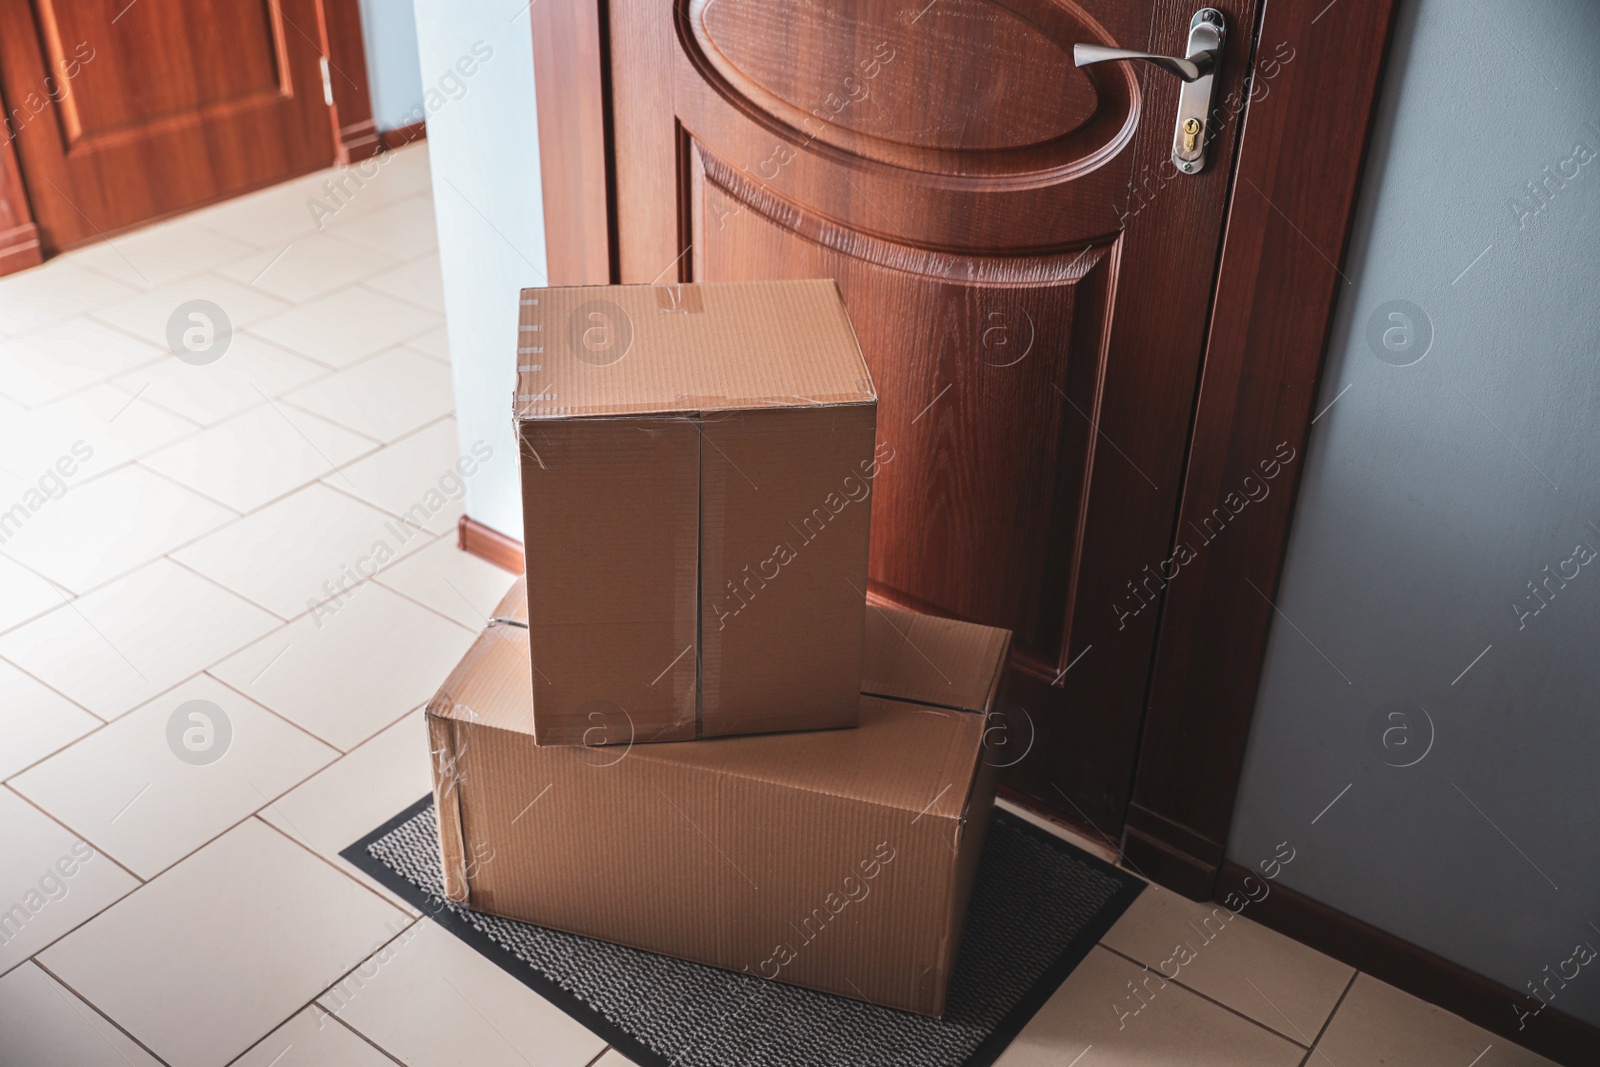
(490,544)
(358,141)
(1170,853)
(1054,815)
(19,248)
(1417,971)
(403,135)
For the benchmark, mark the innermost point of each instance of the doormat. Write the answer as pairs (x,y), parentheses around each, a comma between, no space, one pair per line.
(1038,906)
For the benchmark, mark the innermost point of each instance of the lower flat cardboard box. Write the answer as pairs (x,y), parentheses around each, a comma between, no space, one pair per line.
(839,860)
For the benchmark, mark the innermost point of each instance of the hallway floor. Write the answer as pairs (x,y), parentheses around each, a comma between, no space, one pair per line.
(273,532)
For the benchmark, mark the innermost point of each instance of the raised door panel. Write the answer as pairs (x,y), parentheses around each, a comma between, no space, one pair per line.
(943,324)
(127,112)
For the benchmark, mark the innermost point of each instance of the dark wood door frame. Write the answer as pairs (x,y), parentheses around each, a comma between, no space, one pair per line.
(1298,165)
(355,134)
(1300,161)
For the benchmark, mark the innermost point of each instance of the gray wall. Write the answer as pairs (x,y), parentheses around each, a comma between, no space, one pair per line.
(1433,494)
(483,148)
(389,34)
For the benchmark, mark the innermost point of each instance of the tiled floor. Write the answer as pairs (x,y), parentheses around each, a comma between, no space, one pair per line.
(203,533)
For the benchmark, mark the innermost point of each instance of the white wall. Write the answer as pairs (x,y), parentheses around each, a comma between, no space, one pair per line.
(483,146)
(389,36)
(1436,490)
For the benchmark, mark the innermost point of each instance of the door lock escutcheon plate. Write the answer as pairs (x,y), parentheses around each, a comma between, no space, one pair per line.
(1193,127)
(1197,69)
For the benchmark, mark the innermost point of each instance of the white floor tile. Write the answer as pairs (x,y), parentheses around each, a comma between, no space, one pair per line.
(101,422)
(450,582)
(313,1038)
(301,550)
(401,173)
(419,478)
(127,642)
(24,595)
(161,254)
(1279,983)
(50,882)
(387,396)
(111,525)
(418,282)
(167,963)
(1377,1026)
(35,720)
(147,315)
(349,799)
(405,229)
(1098,1007)
(434,344)
(260,454)
(158,783)
(66,356)
(432,1001)
(352,668)
(250,372)
(347,326)
(53,291)
(270,218)
(45,1024)
(307,267)
(613,1058)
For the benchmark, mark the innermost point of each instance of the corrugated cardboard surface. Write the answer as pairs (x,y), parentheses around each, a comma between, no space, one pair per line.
(953,664)
(697,466)
(634,349)
(611,541)
(838,860)
(785,512)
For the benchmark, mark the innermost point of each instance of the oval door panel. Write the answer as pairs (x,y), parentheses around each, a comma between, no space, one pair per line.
(968,87)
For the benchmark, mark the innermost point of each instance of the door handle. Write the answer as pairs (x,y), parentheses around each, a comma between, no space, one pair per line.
(1188,69)
(1197,70)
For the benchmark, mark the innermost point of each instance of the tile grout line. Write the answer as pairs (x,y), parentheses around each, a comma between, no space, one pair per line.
(420,604)
(1315,1041)
(233,512)
(92,1007)
(77,837)
(275,714)
(20,668)
(365,741)
(203,576)
(1207,997)
(411,919)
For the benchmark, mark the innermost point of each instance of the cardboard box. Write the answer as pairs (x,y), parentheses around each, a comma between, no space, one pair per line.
(696,466)
(840,860)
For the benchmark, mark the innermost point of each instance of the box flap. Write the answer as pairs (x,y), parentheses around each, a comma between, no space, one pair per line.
(493,683)
(904,756)
(637,349)
(929,660)
(513,607)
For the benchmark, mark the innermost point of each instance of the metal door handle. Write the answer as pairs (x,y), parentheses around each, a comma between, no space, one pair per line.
(1189,70)
(1197,70)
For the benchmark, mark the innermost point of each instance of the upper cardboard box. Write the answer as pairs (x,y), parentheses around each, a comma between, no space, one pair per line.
(600,350)
(697,463)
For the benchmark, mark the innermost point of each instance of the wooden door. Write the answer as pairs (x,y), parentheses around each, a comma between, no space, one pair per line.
(1030,279)
(124,112)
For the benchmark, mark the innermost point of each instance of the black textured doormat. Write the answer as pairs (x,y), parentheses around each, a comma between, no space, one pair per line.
(1038,907)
